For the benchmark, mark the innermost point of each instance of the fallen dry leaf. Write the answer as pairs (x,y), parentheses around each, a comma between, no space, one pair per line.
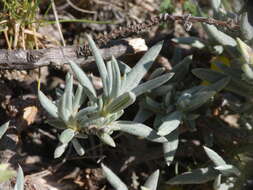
(29,114)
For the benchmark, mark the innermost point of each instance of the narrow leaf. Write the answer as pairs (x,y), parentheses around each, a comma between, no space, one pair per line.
(151,84)
(219,36)
(142,115)
(20,180)
(116,84)
(219,85)
(139,129)
(113,179)
(79,98)
(84,80)
(57,123)
(60,149)
(3,128)
(121,102)
(217,183)
(66,136)
(109,79)
(170,123)
(192,41)
(216,159)
(228,170)
(181,69)
(69,92)
(48,105)
(208,75)
(197,176)
(85,111)
(78,148)
(198,99)
(216,4)
(107,139)
(140,69)
(63,111)
(100,64)
(170,147)
(156,73)
(246,28)
(152,181)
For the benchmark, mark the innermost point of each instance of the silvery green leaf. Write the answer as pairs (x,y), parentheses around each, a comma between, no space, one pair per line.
(248,72)
(78,148)
(246,28)
(57,123)
(168,98)
(181,69)
(66,136)
(218,49)
(20,180)
(152,181)
(84,80)
(170,147)
(100,64)
(216,159)
(113,179)
(163,90)
(138,129)
(219,36)
(63,111)
(219,85)
(140,69)
(114,116)
(69,92)
(228,170)
(144,188)
(100,103)
(109,79)
(216,4)
(199,99)
(81,136)
(107,139)
(208,75)
(232,72)
(156,73)
(85,111)
(158,120)
(217,182)
(121,102)
(79,98)
(3,128)
(96,120)
(192,41)
(48,105)
(235,85)
(151,84)
(60,149)
(124,68)
(170,123)
(142,115)
(196,176)
(116,81)
(245,50)
(152,104)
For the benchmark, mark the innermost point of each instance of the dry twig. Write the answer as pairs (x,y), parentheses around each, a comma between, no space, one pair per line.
(29,59)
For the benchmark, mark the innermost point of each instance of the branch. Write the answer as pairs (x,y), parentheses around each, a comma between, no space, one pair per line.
(30,59)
